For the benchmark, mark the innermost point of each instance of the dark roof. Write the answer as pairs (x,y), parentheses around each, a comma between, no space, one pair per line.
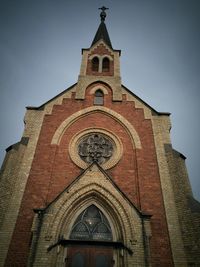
(154,112)
(193,204)
(41,107)
(102,33)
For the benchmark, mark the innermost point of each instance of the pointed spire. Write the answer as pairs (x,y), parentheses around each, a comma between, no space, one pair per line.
(102,32)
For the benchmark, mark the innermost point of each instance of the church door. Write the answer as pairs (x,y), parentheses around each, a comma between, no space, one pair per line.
(93,230)
(90,257)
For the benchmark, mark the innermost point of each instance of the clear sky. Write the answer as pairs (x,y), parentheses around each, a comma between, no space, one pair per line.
(40,55)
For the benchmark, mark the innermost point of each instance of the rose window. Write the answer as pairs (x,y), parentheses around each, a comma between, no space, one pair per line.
(95,148)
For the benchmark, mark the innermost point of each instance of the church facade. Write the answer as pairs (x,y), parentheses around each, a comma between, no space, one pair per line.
(95,180)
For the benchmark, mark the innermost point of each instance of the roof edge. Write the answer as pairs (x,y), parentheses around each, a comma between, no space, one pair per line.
(102,33)
(41,107)
(146,104)
(88,49)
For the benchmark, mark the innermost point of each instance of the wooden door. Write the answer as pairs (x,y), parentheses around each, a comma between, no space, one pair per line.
(89,257)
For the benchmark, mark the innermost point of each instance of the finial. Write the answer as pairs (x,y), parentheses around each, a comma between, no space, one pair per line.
(103,13)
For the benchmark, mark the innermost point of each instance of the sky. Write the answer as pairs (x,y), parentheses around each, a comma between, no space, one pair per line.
(40,56)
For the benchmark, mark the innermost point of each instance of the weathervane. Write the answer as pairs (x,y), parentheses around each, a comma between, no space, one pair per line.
(103,13)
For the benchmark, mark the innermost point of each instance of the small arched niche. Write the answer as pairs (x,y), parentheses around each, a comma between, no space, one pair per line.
(98,97)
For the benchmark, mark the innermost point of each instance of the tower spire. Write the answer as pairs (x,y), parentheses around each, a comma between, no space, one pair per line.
(102,32)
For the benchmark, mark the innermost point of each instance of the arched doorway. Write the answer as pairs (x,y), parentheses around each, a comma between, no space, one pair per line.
(92,235)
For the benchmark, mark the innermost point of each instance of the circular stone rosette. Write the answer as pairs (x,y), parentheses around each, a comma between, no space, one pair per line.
(95,145)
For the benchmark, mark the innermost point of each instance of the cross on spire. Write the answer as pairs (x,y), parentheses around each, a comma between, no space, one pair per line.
(103,13)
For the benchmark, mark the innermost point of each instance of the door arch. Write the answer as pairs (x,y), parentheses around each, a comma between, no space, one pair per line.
(93,230)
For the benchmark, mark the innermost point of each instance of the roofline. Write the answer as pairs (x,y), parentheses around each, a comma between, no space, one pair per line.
(179,154)
(169,148)
(88,49)
(41,107)
(24,141)
(157,112)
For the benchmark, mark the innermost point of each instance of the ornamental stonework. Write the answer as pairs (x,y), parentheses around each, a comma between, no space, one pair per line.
(95,145)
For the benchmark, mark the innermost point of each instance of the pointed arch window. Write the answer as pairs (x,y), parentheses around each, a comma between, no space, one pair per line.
(98,97)
(105,64)
(91,224)
(95,64)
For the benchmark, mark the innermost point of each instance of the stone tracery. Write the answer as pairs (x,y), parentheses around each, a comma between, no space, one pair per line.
(95,148)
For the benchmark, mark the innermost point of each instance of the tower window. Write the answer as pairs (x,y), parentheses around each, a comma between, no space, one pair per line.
(95,64)
(98,97)
(106,64)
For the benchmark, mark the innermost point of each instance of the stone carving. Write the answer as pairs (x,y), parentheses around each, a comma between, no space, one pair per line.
(95,148)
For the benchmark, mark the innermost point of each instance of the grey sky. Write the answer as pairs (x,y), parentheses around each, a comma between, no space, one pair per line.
(40,55)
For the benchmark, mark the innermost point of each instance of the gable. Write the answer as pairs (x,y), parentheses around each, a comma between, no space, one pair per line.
(56,100)
(139,103)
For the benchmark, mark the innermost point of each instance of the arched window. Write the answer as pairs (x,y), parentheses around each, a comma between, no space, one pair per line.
(91,224)
(98,97)
(95,64)
(106,64)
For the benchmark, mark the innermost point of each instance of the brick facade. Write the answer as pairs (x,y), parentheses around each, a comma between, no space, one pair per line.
(141,194)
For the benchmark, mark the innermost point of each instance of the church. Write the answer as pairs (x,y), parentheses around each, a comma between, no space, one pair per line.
(95,181)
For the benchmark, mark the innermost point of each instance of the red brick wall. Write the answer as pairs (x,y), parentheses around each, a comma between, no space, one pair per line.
(52,170)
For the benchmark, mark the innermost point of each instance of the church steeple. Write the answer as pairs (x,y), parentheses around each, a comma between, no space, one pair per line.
(102,32)
(100,63)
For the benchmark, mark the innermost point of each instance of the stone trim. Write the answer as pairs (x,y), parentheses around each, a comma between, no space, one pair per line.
(100,57)
(91,184)
(161,127)
(33,124)
(95,88)
(94,55)
(116,116)
(113,82)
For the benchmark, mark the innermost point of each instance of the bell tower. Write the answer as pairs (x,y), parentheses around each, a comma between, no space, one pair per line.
(100,63)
